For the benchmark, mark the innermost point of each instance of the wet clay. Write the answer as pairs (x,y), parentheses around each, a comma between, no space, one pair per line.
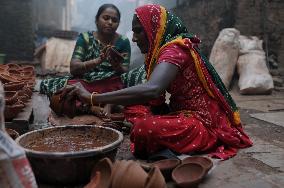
(71,141)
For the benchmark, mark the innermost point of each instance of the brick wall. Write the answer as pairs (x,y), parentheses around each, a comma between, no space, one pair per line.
(16,29)
(263,18)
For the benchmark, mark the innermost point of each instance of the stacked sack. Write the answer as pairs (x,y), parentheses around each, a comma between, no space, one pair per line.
(18,81)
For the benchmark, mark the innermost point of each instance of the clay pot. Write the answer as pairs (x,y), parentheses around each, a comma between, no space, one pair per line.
(11,111)
(12,133)
(166,166)
(117,117)
(203,161)
(11,97)
(155,179)
(104,167)
(188,175)
(128,174)
(14,86)
(5,78)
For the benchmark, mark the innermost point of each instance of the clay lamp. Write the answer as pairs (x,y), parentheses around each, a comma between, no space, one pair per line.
(128,174)
(203,161)
(28,68)
(101,174)
(166,166)
(146,166)
(12,133)
(155,179)
(56,104)
(13,66)
(188,175)
(69,108)
(12,111)
(117,117)
(11,97)
(14,72)
(14,86)
(5,78)
(116,57)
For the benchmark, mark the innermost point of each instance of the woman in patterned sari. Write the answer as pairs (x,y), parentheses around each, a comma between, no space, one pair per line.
(89,64)
(203,117)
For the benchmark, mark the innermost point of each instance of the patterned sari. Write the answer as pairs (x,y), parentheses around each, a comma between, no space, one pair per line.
(88,48)
(204,117)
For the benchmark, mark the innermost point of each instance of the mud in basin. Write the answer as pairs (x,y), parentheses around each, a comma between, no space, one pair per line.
(66,154)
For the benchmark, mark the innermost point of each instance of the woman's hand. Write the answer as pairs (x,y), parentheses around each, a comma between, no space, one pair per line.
(75,91)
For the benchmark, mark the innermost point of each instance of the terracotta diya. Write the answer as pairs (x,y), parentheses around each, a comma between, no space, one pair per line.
(188,175)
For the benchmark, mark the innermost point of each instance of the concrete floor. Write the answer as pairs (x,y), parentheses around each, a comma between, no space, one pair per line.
(261,166)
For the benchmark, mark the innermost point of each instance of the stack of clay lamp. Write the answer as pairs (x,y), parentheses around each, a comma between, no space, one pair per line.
(18,81)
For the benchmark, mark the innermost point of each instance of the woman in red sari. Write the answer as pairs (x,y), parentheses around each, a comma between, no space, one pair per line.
(202,115)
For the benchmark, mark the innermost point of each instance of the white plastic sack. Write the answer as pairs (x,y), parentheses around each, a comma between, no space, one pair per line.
(248,43)
(254,76)
(224,54)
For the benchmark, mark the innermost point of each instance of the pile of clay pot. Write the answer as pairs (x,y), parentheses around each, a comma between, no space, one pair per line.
(18,81)
(186,173)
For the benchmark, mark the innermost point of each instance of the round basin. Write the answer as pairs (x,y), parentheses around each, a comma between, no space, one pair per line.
(67,154)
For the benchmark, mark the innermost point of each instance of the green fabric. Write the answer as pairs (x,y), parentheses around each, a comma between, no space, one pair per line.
(134,76)
(88,48)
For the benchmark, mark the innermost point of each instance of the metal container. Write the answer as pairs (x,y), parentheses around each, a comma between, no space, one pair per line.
(69,167)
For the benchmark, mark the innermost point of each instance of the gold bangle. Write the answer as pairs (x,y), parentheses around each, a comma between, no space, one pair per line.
(92,103)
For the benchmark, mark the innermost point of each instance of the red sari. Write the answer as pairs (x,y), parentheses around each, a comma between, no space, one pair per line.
(198,122)
(203,117)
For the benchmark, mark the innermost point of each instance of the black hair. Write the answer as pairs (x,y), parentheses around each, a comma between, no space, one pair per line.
(105,6)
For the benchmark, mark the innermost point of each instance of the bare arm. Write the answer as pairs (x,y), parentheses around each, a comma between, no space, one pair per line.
(163,74)
(78,68)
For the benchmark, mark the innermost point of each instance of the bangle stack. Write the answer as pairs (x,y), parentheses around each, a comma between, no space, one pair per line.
(92,98)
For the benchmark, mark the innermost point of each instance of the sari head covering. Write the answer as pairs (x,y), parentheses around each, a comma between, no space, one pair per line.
(162,29)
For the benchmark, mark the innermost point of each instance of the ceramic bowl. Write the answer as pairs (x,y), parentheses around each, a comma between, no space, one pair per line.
(166,166)
(203,161)
(188,175)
